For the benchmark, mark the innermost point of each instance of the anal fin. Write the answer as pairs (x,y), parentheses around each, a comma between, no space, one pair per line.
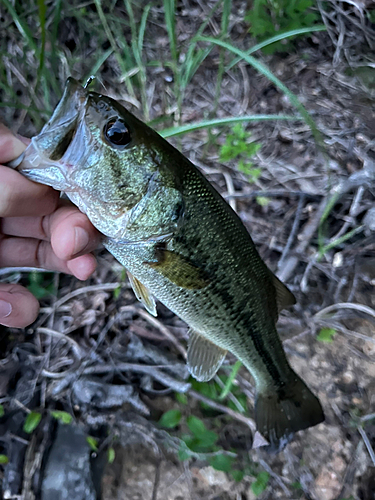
(203,357)
(143,294)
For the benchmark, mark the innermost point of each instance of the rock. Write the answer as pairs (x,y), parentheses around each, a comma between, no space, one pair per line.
(327,485)
(67,475)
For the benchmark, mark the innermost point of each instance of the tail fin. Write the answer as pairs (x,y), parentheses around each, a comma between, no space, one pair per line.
(279,414)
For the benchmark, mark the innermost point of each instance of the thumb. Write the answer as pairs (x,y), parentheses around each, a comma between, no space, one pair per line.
(18,307)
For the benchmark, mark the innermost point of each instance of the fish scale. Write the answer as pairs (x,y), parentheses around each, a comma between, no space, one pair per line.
(180,242)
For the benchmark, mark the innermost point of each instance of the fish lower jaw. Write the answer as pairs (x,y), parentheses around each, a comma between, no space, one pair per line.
(39,168)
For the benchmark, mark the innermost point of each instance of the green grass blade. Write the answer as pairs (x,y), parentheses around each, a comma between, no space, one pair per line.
(142,27)
(229,382)
(227,4)
(98,64)
(338,241)
(276,38)
(42,10)
(114,45)
(22,26)
(192,64)
(263,69)
(218,122)
(189,68)
(170,21)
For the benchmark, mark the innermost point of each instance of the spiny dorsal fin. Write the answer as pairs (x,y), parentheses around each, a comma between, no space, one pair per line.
(179,270)
(143,294)
(284,296)
(203,357)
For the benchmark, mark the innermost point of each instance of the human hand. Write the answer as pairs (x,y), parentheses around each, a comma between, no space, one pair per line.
(37,229)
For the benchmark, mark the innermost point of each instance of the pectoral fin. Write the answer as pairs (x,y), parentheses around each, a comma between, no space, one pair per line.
(143,294)
(179,270)
(284,296)
(203,357)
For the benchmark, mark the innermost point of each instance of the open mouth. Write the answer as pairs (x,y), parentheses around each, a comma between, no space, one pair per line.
(41,161)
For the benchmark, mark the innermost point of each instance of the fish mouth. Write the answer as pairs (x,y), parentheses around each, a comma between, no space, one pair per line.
(42,160)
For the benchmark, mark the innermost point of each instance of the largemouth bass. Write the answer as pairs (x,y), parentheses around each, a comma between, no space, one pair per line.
(180,243)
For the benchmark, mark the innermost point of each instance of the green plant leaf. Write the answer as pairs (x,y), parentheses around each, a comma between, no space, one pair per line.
(261,482)
(196,426)
(1,411)
(181,398)
(222,462)
(116,292)
(32,422)
(326,335)
(92,442)
(218,122)
(237,475)
(4,459)
(183,453)
(170,419)
(262,201)
(111,455)
(63,416)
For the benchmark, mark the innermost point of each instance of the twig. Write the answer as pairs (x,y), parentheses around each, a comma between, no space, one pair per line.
(277,478)
(306,235)
(231,190)
(161,377)
(346,331)
(10,270)
(272,194)
(53,333)
(75,293)
(156,481)
(162,328)
(293,232)
(367,443)
(345,305)
(217,406)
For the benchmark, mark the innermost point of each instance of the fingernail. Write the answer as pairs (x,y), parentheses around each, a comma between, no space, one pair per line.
(81,239)
(5,309)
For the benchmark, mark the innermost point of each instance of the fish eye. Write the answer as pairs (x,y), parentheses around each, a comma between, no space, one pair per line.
(116,132)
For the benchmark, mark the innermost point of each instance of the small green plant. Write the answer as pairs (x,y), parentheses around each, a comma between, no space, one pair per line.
(222,462)
(32,422)
(326,335)
(41,284)
(201,440)
(260,483)
(238,146)
(1,411)
(92,442)
(111,455)
(63,416)
(3,459)
(270,17)
(170,419)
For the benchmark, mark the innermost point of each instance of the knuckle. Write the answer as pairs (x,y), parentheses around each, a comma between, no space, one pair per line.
(41,254)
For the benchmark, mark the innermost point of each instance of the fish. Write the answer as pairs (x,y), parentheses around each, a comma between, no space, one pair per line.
(181,244)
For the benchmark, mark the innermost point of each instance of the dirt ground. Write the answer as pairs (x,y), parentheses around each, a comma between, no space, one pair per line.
(332,74)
